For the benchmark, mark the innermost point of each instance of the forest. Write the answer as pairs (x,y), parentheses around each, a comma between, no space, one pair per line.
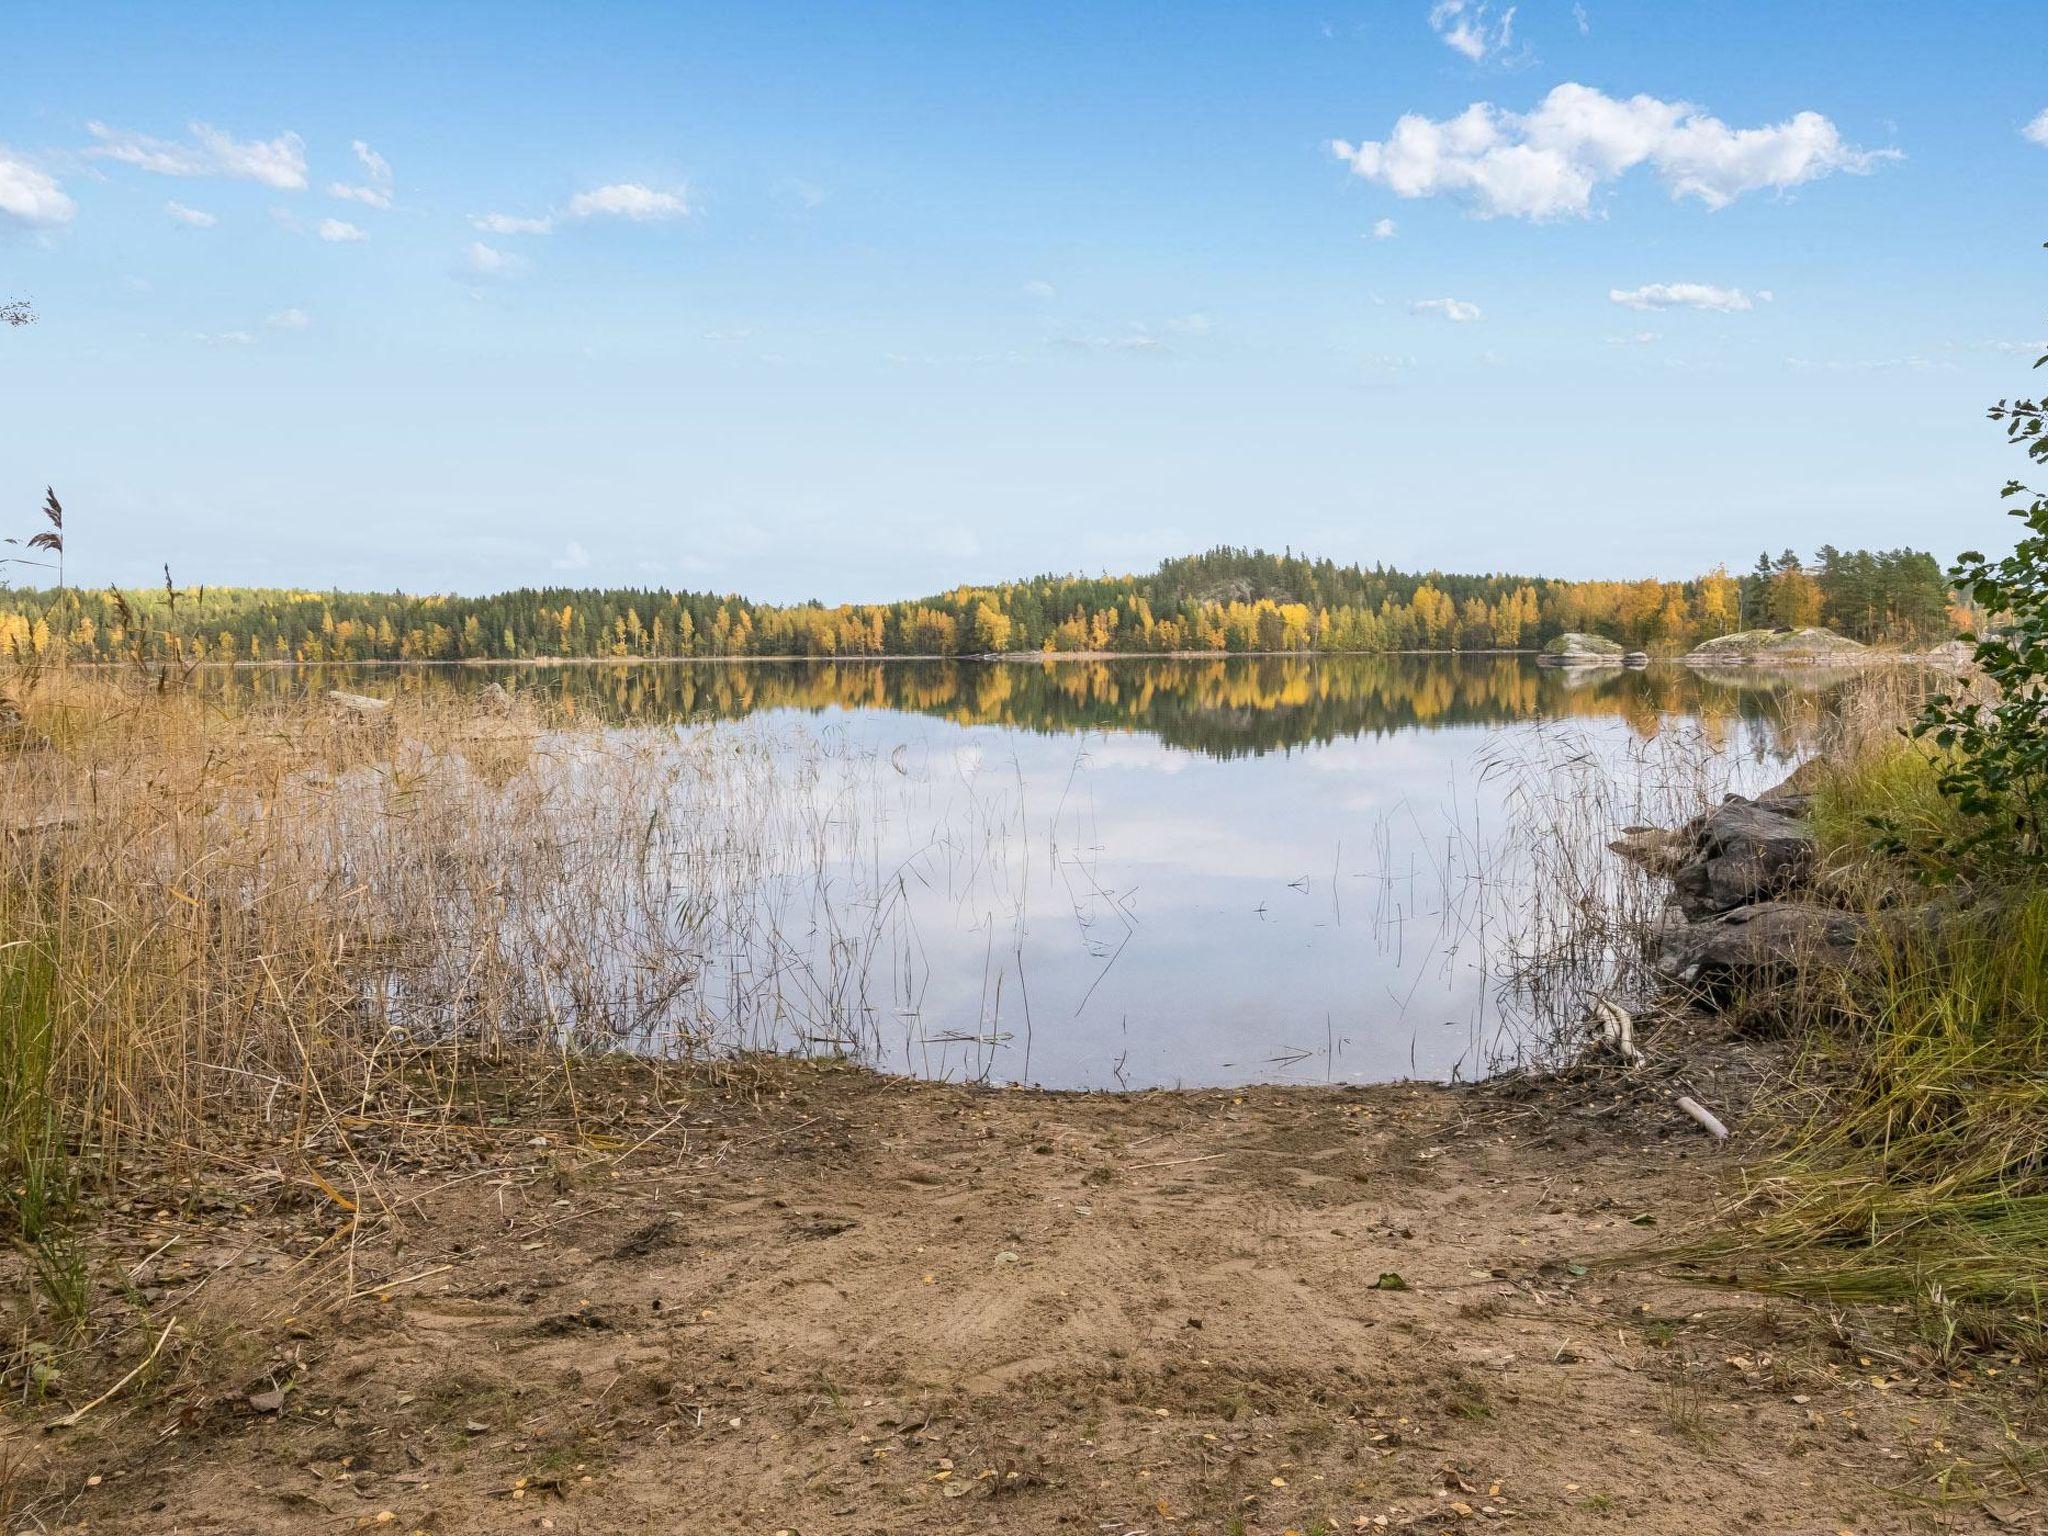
(1224,601)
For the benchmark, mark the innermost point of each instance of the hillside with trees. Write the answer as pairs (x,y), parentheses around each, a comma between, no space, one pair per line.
(1222,602)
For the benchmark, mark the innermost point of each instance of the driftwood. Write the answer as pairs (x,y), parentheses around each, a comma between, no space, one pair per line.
(1617,1029)
(1706,1117)
(1618,1034)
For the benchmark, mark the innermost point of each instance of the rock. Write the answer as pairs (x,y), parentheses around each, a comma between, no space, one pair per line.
(1636,659)
(1743,852)
(362,706)
(1659,851)
(1766,941)
(1954,656)
(1581,650)
(1793,796)
(1778,647)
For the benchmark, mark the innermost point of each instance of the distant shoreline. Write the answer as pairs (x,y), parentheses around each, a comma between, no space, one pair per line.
(1865,658)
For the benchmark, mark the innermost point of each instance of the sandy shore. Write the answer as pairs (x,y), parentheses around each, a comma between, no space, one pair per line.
(795,1298)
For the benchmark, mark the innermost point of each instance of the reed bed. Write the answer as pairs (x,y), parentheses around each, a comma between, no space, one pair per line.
(216,919)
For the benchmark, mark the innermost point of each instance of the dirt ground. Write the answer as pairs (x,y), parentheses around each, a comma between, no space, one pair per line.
(805,1299)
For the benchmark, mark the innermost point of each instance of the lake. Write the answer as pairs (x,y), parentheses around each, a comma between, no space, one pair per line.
(1155,872)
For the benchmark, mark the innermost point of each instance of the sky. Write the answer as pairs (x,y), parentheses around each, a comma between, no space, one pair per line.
(860,302)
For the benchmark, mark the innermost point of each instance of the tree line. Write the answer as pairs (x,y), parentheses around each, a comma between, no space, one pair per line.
(1224,602)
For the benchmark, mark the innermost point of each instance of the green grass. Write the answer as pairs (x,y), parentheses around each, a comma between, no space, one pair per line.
(37,1185)
(1920,1176)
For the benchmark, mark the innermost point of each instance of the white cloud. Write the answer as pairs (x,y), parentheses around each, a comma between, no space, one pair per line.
(1455,310)
(340,232)
(1579,16)
(1547,163)
(376,192)
(1470,30)
(574,557)
(1383,229)
(1039,288)
(289,320)
(226,338)
(2037,131)
(1726,301)
(31,197)
(1636,339)
(510,224)
(375,197)
(278,162)
(198,218)
(628,200)
(481,260)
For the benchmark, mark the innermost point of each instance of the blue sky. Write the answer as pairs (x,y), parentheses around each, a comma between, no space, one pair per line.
(862,301)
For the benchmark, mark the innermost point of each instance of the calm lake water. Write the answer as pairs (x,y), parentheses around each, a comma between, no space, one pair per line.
(1145,872)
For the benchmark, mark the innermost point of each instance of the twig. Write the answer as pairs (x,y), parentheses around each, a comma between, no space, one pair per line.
(425,1274)
(1705,1116)
(76,1414)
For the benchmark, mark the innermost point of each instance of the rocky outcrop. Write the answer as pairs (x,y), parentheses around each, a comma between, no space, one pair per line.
(1580,650)
(1738,874)
(1765,941)
(1779,648)
(1743,851)
(1954,656)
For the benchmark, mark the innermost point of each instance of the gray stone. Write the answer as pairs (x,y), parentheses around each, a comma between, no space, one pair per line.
(1743,852)
(1767,941)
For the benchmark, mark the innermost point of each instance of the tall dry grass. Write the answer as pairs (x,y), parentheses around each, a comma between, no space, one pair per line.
(221,922)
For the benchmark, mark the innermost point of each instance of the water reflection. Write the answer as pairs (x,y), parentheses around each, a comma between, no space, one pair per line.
(1138,872)
(1224,707)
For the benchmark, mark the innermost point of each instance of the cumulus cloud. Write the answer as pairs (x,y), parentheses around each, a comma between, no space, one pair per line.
(1726,301)
(198,218)
(1470,29)
(1383,229)
(340,232)
(1547,163)
(278,162)
(511,224)
(1454,310)
(376,191)
(2037,131)
(485,261)
(28,196)
(289,320)
(628,200)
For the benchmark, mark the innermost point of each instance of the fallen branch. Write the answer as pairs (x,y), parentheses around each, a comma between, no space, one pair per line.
(1705,1116)
(76,1414)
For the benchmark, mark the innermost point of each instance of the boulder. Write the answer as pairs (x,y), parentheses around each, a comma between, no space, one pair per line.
(1574,649)
(1778,647)
(1763,942)
(1954,655)
(1742,852)
(1637,659)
